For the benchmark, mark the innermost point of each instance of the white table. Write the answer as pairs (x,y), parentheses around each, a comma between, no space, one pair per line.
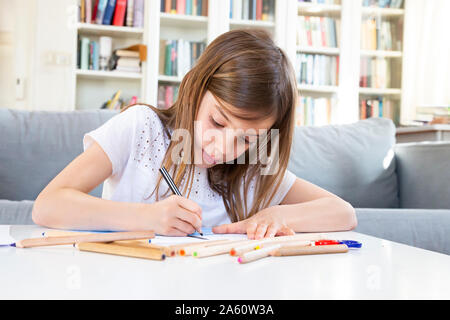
(381,269)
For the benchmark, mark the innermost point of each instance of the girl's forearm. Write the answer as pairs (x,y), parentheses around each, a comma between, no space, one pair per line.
(321,215)
(72,209)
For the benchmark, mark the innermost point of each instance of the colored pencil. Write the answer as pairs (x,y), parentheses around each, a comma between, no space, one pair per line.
(236,251)
(306,250)
(187,250)
(175,190)
(258,254)
(89,237)
(122,250)
(218,249)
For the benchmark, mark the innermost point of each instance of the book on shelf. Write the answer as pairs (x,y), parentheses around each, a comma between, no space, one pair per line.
(128,13)
(380,35)
(375,73)
(126,60)
(167,95)
(119,14)
(98,55)
(317,69)
(314,111)
(380,107)
(185,7)
(396,4)
(259,10)
(318,32)
(92,54)
(177,57)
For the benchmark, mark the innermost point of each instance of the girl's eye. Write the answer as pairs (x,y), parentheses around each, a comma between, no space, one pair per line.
(218,125)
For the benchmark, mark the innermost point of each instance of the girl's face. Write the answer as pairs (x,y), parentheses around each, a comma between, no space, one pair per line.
(221,137)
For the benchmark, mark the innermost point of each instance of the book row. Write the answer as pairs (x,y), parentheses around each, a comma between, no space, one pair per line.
(128,13)
(317,69)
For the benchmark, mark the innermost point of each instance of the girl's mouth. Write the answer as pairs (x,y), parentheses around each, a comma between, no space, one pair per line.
(207,158)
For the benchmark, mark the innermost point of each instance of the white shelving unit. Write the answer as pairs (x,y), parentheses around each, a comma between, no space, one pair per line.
(93,87)
(347,93)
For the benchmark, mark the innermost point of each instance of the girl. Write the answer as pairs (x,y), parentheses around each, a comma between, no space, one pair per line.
(238,99)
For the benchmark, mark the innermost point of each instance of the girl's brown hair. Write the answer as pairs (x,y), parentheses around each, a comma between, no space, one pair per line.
(245,69)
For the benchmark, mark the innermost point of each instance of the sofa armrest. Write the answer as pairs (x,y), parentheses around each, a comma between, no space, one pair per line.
(423,171)
(16,212)
(426,229)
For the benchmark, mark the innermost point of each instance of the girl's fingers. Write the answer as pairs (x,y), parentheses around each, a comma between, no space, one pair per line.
(189,205)
(271,231)
(260,231)
(251,230)
(237,227)
(176,233)
(183,226)
(189,217)
(285,232)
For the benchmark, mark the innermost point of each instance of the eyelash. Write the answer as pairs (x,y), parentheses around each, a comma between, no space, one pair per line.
(221,126)
(215,123)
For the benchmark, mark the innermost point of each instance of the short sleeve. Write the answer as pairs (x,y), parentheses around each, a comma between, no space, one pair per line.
(286,184)
(116,137)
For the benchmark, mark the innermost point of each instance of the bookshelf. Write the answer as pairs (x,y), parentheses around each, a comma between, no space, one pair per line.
(380,87)
(339,92)
(368,37)
(92,86)
(318,51)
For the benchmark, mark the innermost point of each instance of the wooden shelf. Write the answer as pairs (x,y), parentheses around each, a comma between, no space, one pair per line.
(384,12)
(381,53)
(318,50)
(380,91)
(236,23)
(305,8)
(107,74)
(111,31)
(317,89)
(173,79)
(182,21)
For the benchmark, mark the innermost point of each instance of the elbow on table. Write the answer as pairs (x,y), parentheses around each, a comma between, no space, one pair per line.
(351,220)
(38,213)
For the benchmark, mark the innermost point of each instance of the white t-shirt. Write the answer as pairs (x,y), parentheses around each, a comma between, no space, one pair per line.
(135,143)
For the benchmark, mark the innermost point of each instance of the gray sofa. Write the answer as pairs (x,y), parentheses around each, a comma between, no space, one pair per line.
(400,192)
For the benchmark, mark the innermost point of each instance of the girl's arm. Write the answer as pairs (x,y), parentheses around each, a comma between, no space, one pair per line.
(305,208)
(66,204)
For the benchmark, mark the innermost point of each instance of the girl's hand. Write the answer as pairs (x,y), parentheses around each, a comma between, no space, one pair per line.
(264,224)
(173,216)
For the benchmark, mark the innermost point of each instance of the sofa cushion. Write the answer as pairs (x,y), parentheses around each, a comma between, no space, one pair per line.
(423,171)
(36,146)
(16,212)
(354,161)
(422,228)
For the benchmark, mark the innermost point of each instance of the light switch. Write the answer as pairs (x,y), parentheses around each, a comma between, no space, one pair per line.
(20,88)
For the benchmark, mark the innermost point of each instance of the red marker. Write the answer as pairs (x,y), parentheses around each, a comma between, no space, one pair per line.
(326,242)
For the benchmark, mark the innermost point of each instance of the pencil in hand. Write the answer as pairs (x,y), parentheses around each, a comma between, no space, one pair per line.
(173,186)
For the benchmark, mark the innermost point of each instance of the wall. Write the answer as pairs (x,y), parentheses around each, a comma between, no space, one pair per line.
(426,79)
(37,45)
(7,88)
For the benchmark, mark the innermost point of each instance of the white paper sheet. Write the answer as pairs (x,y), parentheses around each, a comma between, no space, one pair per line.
(5,237)
(164,240)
